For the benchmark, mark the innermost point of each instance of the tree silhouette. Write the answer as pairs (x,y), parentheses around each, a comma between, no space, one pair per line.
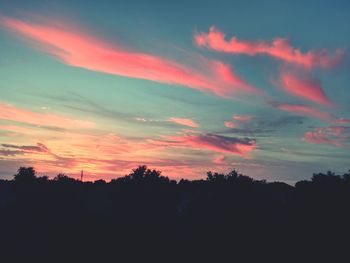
(63,178)
(139,173)
(346,176)
(215,177)
(25,175)
(329,178)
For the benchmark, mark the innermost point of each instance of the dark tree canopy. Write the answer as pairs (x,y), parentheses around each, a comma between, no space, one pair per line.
(25,174)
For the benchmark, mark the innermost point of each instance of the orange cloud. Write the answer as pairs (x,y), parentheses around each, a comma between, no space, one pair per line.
(107,161)
(77,49)
(12,113)
(304,88)
(280,48)
(185,122)
(302,110)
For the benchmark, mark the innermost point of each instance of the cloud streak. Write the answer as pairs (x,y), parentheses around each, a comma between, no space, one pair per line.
(304,88)
(41,148)
(230,124)
(184,122)
(329,135)
(12,113)
(279,48)
(243,118)
(213,142)
(219,160)
(238,121)
(75,48)
(342,121)
(15,150)
(302,110)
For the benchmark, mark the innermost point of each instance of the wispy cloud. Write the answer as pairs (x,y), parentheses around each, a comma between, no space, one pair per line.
(78,49)
(219,159)
(243,118)
(230,124)
(168,122)
(264,126)
(184,121)
(279,48)
(41,148)
(306,88)
(13,113)
(16,150)
(7,152)
(213,142)
(327,135)
(100,156)
(342,121)
(302,110)
(238,121)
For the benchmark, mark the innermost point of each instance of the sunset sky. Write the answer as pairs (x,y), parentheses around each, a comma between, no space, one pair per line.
(181,86)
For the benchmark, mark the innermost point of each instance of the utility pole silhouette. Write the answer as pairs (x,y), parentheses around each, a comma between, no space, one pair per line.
(81,175)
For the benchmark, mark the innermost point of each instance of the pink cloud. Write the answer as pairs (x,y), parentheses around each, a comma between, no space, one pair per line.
(304,88)
(75,48)
(230,124)
(342,121)
(329,135)
(280,48)
(12,113)
(185,122)
(216,143)
(302,110)
(219,159)
(243,118)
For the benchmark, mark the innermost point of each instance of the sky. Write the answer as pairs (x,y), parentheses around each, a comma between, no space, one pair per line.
(181,86)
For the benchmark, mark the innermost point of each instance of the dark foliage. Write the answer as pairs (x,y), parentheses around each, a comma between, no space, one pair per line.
(145,213)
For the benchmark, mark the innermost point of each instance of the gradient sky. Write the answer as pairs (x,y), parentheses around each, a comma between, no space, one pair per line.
(182,86)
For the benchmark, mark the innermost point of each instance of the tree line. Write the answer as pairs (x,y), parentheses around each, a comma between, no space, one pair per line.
(145,209)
